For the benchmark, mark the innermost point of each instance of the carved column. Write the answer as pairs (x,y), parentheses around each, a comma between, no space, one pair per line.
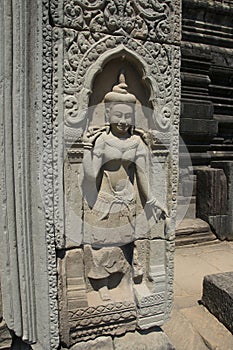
(28,260)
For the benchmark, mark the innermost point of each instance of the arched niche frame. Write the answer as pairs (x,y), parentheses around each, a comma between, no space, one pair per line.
(137,85)
(155,62)
(158,67)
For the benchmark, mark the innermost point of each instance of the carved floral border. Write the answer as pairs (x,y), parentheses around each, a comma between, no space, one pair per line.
(155,20)
(49,175)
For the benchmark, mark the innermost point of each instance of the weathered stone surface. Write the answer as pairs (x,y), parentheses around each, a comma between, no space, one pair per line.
(211,192)
(213,334)
(131,18)
(127,183)
(212,199)
(101,343)
(220,225)
(27,199)
(154,340)
(207,60)
(175,329)
(202,330)
(89,297)
(192,231)
(218,297)
(227,167)
(198,126)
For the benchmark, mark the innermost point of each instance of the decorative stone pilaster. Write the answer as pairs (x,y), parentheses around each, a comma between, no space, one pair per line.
(28,259)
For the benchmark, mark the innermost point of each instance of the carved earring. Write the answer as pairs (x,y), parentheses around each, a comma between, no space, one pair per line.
(107,123)
(131,130)
(107,128)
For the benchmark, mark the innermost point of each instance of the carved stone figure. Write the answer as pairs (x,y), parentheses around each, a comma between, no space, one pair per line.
(115,177)
(115,242)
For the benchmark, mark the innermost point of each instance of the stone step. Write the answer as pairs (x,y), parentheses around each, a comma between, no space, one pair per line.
(192,231)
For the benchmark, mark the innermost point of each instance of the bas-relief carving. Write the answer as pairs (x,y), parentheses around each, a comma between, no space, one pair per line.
(78,59)
(115,188)
(81,53)
(149,20)
(115,163)
(112,281)
(86,313)
(160,63)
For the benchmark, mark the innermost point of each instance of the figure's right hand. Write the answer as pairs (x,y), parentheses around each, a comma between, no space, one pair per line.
(159,212)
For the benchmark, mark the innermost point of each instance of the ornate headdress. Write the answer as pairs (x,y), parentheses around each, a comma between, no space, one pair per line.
(119,93)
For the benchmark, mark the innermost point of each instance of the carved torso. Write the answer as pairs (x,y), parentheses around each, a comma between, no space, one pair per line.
(119,155)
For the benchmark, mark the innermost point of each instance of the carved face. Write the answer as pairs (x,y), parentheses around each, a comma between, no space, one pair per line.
(121,117)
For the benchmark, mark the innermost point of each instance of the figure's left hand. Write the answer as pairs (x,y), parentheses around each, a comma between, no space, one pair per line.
(159,212)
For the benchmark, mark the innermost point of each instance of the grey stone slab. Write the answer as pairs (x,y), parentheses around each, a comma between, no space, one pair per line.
(28,259)
(220,225)
(192,231)
(218,297)
(214,335)
(155,340)
(189,339)
(40,77)
(193,108)
(198,126)
(202,330)
(227,167)
(5,336)
(212,199)
(211,192)
(101,343)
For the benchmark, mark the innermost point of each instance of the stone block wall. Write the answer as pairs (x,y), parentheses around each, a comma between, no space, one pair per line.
(207,75)
(206,124)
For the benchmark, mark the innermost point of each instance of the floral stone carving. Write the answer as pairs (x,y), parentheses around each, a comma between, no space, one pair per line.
(147,20)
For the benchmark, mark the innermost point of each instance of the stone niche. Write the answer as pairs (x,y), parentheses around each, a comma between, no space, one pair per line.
(116,241)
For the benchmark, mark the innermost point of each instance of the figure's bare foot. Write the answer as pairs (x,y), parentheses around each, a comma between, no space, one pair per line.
(104,294)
